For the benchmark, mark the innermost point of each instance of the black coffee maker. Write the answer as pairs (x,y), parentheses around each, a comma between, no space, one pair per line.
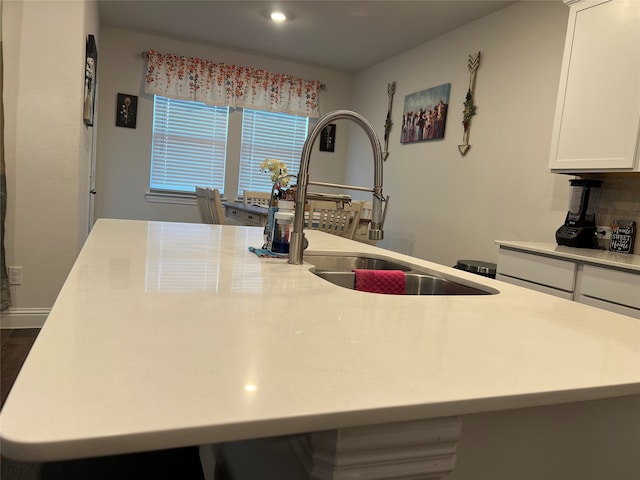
(579,229)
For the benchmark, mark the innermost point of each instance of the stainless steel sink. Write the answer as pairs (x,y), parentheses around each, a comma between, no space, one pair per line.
(338,270)
(346,263)
(415,284)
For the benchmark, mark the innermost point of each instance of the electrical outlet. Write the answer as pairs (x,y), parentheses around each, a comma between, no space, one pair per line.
(604,233)
(15,275)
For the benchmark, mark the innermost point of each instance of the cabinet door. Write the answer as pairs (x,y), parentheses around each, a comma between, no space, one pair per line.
(597,120)
(535,286)
(610,285)
(537,269)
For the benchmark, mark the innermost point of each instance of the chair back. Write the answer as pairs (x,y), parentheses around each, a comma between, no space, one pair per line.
(215,204)
(327,217)
(203,205)
(256,198)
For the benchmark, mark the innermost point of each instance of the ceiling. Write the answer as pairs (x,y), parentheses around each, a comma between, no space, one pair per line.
(343,35)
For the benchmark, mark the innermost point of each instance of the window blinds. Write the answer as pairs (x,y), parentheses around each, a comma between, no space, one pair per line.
(269,135)
(189,145)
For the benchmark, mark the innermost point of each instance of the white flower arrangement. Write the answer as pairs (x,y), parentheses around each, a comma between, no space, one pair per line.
(277,168)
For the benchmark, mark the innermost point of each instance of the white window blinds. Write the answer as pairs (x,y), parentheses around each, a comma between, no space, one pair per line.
(189,145)
(269,135)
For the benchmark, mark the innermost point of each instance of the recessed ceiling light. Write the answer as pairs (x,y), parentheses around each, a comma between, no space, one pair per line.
(278,16)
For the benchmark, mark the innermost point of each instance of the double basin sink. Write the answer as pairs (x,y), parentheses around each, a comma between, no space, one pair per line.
(338,269)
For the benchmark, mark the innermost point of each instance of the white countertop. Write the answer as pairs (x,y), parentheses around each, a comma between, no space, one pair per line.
(623,261)
(169,334)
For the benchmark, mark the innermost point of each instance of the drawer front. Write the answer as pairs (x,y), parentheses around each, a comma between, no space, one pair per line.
(611,285)
(254,219)
(547,271)
(536,287)
(232,212)
(246,218)
(611,307)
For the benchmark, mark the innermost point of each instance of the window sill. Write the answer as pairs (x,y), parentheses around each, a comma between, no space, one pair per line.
(174,198)
(168,197)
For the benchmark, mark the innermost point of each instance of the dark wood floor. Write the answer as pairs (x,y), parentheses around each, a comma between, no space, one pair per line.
(15,347)
(178,464)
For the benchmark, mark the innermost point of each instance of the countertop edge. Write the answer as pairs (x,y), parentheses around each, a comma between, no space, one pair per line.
(623,261)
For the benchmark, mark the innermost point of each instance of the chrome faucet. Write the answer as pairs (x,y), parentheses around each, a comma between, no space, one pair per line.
(296,247)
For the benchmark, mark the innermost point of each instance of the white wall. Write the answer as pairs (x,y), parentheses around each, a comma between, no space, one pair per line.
(47,147)
(445,207)
(123,158)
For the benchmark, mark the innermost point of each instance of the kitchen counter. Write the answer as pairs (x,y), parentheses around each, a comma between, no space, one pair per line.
(170,334)
(623,261)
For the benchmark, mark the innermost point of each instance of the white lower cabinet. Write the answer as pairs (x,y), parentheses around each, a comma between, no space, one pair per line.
(543,274)
(613,289)
(535,286)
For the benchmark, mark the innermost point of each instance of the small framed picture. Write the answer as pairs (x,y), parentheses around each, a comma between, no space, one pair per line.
(126,110)
(328,138)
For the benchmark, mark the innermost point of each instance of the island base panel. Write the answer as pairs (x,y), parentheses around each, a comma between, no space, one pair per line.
(424,449)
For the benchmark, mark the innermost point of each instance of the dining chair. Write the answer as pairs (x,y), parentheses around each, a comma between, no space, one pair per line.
(215,205)
(202,202)
(255,198)
(327,217)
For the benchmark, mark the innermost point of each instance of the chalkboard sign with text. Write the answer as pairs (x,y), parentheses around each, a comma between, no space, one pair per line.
(623,233)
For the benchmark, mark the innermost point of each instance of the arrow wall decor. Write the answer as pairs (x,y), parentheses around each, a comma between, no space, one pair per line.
(469,108)
(391,89)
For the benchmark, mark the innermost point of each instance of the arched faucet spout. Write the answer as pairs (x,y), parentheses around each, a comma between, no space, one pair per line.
(375,232)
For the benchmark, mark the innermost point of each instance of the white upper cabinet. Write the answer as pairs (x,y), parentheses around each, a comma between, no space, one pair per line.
(597,120)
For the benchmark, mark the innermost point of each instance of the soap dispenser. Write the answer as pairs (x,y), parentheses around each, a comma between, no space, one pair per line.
(282,226)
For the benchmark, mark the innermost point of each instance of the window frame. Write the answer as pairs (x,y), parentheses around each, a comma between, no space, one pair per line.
(232,174)
(208,128)
(260,139)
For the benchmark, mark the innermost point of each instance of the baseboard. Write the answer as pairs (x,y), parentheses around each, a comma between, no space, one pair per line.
(24,317)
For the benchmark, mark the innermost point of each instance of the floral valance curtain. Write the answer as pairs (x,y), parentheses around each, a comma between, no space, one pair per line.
(219,84)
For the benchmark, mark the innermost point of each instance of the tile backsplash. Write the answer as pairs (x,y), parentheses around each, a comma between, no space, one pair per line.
(619,200)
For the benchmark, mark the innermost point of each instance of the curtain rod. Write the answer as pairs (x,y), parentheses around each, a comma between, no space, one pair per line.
(145,54)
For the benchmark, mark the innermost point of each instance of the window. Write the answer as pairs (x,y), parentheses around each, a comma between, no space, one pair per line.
(269,135)
(189,145)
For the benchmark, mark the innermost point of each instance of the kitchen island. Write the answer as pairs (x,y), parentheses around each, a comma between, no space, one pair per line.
(173,334)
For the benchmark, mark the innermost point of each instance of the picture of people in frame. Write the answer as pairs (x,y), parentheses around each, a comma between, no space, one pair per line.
(425,114)
(90,77)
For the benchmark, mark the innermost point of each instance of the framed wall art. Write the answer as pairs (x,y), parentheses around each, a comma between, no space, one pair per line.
(425,114)
(126,110)
(90,78)
(328,138)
